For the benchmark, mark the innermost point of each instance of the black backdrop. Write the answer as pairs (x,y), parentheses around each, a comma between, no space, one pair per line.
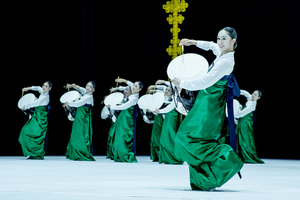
(78,41)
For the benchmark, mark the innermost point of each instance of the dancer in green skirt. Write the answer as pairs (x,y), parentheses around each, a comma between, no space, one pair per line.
(169,126)
(211,164)
(123,130)
(245,130)
(33,133)
(111,134)
(80,144)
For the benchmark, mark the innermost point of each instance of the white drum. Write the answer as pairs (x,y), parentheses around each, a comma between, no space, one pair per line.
(157,100)
(107,113)
(188,66)
(114,99)
(151,101)
(70,96)
(26,99)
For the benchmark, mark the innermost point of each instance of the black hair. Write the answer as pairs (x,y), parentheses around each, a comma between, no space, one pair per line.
(259,93)
(49,83)
(140,84)
(232,33)
(93,83)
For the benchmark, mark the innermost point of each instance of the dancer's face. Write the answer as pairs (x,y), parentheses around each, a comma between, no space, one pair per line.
(225,42)
(89,88)
(136,88)
(127,92)
(46,87)
(168,92)
(255,96)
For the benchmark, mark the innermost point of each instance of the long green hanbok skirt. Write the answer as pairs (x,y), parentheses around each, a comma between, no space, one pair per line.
(80,144)
(246,149)
(155,137)
(123,137)
(33,134)
(110,139)
(168,132)
(211,164)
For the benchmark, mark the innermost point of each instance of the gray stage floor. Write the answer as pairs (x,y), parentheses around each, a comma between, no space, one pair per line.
(56,178)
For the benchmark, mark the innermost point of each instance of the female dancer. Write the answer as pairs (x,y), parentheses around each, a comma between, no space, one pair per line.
(211,164)
(80,144)
(169,126)
(33,133)
(123,141)
(245,130)
(127,92)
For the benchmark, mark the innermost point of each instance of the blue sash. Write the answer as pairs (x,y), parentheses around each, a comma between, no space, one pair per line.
(135,115)
(231,90)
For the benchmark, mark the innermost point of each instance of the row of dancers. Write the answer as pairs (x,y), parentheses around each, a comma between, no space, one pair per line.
(198,139)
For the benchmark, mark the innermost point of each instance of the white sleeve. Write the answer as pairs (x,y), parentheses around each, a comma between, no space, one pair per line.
(220,69)
(209,46)
(41,101)
(121,88)
(86,99)
(250,108)
(81,90)
(161,87)
(129,83)
(37,88)
(246,94)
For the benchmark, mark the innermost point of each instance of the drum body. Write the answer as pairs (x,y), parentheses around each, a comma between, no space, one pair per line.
(113,99)
(25,100)
(187,67)
(70,96)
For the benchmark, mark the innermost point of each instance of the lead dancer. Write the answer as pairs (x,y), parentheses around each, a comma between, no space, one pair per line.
(211,164)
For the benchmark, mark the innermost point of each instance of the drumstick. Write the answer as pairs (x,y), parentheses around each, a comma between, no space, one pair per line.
(118,81)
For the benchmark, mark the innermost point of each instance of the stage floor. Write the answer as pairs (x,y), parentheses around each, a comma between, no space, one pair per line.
(56,178)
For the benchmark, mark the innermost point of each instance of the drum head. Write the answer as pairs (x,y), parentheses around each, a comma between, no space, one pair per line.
(26,99)
(157,101)
(105,112)
(144,100)
(70,96)
(114,99)
(188,66)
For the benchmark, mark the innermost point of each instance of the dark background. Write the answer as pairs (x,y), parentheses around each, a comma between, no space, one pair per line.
(77,41)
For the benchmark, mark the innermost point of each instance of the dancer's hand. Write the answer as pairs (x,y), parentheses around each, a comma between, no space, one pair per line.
(187,42)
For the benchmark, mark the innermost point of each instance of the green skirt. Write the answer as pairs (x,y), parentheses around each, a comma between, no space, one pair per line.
(33,134)
(246,149)
(123,137)
(110,139)
(79,146)
(168,132)
(155,137)
(211,164)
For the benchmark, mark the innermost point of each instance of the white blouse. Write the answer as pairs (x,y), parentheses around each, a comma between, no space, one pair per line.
(43,99)
(249,107)
(223,65)
(85,99)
